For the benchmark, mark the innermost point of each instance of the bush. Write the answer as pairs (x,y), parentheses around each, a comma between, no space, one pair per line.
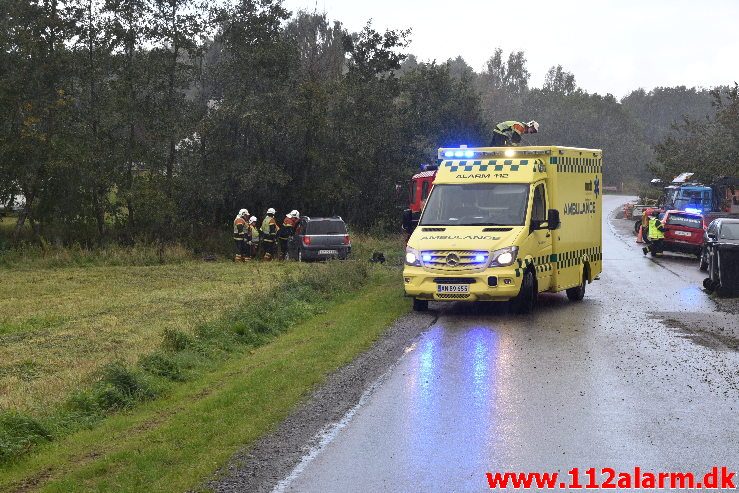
(176,340)
(18,434)
(163,365)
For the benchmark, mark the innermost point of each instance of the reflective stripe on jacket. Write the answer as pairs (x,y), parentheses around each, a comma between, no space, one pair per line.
(656,230)
(269,228)
(507,128)
(239,228)
(253,234)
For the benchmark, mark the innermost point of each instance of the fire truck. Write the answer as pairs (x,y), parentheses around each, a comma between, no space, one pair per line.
(418,192)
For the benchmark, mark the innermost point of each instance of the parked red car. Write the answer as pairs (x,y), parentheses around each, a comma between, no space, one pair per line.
(683,232)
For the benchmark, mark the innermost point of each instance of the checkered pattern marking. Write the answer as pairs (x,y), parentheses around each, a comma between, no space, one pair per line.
(489,165)
(575,257)
(546,263)
(567,164)
(541,264)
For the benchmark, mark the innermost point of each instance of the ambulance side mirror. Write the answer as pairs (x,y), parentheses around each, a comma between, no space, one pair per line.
(553,219)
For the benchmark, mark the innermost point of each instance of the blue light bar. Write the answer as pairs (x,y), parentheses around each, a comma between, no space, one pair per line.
(693,211)
(459,153)
(426,257)
(449,153)
(469,153)
(479,259)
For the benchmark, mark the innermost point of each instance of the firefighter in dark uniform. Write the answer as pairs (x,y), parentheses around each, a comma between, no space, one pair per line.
(288,231)
(656,235)
(269,234)
(509,133)
(240,227)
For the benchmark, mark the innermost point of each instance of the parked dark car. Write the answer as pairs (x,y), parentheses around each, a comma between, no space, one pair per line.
(320,238)
(683,232)
(720,256)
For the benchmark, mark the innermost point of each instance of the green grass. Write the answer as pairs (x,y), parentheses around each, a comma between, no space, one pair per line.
(175,442)
(59,326)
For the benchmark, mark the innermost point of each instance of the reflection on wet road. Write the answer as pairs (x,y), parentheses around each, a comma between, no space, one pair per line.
(600,383)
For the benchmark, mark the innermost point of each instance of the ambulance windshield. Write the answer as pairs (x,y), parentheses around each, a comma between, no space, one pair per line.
(479,204)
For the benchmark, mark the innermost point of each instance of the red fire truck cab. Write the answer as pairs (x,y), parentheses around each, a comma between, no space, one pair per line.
(418,191)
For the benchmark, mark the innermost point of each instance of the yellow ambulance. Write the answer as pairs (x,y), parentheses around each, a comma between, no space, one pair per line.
(506,223)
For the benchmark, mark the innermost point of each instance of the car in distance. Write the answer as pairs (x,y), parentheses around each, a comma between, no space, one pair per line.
(683,232)
(320,238)
(721,256)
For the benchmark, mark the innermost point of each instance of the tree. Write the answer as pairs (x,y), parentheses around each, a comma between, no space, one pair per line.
(707,147)
(559,80)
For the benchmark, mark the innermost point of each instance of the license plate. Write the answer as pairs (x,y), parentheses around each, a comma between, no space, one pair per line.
(327,252)
(452,288)
(682,233)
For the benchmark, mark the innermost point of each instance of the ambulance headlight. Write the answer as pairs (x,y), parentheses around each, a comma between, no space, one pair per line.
(412,257)
(510,153)
(504,256)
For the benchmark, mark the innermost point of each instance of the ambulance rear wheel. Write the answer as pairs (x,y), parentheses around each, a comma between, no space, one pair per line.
(578,292)
(420,305)
(526,299)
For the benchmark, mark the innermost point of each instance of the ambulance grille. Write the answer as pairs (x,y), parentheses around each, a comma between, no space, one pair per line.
(455,260)
(452,296)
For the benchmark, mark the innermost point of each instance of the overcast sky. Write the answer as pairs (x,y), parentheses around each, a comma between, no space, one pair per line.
(612,46)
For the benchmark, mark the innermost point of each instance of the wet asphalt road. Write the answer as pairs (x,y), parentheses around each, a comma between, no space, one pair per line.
(644,372)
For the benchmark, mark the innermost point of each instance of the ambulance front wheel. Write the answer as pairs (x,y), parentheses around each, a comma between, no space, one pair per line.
(578,292)
(420,305)
(524,302)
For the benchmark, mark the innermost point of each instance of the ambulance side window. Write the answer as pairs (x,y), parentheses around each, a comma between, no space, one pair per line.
(413,192)
(424,190)
(539,207)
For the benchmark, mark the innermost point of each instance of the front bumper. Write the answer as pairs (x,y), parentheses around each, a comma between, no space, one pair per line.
(422,284)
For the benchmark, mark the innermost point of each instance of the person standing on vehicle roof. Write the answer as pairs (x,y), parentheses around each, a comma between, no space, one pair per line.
(509,133)
(269,234)
(240,235)
(656,235)
(252,238)
(288,231)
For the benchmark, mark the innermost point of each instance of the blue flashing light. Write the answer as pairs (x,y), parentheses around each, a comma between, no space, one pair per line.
(459,153)
(469,153)
(426,257)
(479,259)
(693,211)
(449,153)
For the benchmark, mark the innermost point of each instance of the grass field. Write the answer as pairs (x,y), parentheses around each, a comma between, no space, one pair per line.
(175,443)
(86,346)
(58,326)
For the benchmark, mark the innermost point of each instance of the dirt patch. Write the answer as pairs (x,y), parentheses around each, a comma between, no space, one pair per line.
(713,338)
(272,458)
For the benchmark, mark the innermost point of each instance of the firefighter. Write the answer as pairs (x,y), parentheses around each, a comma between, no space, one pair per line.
(240,227)
(252,238)
(288,231)
(656,235)
(509,133)
(269,234)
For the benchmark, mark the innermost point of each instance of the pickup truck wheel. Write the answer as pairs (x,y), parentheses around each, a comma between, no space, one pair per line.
(420,305)
(578,292)
(704,261)
(524,302)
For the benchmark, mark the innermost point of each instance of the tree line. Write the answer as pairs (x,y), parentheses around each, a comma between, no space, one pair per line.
(128,120)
